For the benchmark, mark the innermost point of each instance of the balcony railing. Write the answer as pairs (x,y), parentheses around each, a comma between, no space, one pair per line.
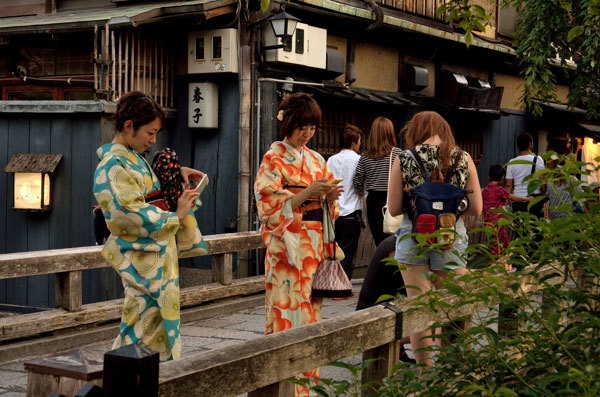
(422,8)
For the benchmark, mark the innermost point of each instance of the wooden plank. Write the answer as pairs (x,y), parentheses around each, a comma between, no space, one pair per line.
(5,179)
(222,268)
(68,291)
(35,323)
(278,356)
(38,227)
(81,258)
(16,236)
(61,130)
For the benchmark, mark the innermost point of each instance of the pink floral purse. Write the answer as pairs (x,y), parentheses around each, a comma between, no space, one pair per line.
(330,280)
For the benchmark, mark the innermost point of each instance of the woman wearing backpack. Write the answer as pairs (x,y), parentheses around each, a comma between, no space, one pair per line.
(431,139)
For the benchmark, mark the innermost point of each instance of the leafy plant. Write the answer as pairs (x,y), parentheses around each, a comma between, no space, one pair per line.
(543,342)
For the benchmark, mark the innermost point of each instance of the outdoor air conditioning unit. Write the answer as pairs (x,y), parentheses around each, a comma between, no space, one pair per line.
(308,47)
(213,51)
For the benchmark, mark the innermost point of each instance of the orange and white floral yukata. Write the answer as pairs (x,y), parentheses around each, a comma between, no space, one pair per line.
(294,246)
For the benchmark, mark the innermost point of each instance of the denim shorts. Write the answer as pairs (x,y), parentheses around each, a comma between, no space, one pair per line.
(437,260)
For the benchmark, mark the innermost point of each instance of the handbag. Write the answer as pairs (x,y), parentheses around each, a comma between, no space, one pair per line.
(330,279)
(390,223)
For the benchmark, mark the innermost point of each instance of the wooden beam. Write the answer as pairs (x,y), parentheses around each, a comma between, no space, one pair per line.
(34,263)
(68,291)
(276,357)
(24,325)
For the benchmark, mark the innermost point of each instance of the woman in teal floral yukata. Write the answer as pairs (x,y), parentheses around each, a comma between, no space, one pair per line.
(145,240)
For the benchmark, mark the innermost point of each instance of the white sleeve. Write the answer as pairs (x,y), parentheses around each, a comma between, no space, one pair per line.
(509,172)
(539,164)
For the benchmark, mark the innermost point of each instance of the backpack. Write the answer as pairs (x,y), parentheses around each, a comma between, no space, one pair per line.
(437,204)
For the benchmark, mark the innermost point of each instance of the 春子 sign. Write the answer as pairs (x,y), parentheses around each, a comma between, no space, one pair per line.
(203,105)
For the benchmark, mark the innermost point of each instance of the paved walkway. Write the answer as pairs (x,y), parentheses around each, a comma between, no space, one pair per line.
(199,336)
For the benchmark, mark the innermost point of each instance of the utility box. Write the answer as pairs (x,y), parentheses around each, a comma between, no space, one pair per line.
(308,47)
(213,51)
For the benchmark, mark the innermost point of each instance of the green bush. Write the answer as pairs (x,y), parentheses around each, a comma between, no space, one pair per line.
(548,339)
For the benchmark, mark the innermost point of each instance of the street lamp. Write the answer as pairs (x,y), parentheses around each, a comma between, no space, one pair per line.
(284,26)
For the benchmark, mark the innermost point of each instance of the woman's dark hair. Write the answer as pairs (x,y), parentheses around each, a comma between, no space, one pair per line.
(139,108)
(381,139)
(496,172)
(523,141)
(297,111)
(426,124)
(351,135)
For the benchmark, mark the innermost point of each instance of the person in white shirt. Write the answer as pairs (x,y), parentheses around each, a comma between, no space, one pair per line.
(515,173)
(349,223)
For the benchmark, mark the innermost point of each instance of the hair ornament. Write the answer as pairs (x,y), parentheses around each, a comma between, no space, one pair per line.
(280,115)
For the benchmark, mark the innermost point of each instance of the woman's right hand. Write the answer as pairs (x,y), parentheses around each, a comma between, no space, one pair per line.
(186,202)
(320,187)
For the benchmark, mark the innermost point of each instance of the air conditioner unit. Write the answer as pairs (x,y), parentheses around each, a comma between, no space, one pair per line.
(308,47)
(213,51)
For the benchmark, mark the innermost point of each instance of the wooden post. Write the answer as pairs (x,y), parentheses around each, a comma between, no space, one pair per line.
(222,268)
(131,371)
(388,355)
(68,290)
(64,373)
(279,389)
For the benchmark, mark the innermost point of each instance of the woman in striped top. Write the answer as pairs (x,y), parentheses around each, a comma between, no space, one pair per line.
(372,172)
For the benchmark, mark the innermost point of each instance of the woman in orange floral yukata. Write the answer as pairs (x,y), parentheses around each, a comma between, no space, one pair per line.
(289,186)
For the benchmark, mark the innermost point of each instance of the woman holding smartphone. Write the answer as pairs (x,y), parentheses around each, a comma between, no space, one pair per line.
(292,184)
(145,239)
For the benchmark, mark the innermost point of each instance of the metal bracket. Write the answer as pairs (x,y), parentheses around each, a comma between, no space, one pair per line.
(399,315)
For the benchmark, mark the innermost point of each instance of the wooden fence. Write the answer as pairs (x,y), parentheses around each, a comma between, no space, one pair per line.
(69,263)
(259,366)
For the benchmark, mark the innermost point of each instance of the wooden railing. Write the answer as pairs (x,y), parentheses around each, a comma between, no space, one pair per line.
(262,364)
(68,264)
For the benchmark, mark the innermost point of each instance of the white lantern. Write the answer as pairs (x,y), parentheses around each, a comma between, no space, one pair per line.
(32,180)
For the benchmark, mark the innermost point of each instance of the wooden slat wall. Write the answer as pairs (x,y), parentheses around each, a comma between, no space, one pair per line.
(143,61)
(70,222)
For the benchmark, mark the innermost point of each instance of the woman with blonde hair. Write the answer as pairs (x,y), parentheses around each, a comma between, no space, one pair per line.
(431,139)
(372,172)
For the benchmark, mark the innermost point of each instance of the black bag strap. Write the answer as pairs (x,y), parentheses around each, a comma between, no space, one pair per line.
(452,170)
(419,162)
(534,164)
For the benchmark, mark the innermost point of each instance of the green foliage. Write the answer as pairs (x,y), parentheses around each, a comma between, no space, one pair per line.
(549,344)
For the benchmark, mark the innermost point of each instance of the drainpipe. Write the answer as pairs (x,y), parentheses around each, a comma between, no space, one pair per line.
(376,24)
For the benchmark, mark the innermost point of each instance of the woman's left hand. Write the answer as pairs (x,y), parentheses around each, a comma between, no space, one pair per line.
(190,174)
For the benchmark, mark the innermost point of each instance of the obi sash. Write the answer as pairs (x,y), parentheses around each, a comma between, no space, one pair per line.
(311,208)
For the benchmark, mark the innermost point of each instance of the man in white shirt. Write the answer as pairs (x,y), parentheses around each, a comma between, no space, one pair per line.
(349,223)
(515,173)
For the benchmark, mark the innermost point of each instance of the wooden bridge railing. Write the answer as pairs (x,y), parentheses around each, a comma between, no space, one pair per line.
(260,365)
(69,263)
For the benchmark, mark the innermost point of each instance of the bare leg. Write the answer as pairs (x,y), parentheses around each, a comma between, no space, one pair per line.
(414,276)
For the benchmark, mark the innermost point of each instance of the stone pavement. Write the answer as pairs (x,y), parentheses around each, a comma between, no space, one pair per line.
(199,336)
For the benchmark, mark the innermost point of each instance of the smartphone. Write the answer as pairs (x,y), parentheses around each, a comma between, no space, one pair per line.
(201,185)
(336,181)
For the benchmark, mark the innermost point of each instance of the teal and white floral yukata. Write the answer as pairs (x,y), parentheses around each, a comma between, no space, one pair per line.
(143,248)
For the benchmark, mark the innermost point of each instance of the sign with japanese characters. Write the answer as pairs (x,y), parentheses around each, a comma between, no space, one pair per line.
(203,105)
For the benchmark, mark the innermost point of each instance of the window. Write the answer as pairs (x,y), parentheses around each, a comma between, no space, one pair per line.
(217,47)
(44,93)
(200,48)
(299,41)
